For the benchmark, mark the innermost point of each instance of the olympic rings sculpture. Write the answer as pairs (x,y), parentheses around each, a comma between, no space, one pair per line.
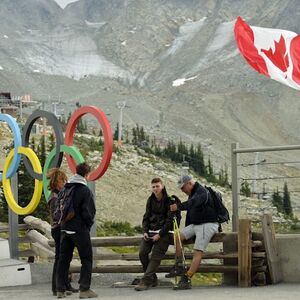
(54,159)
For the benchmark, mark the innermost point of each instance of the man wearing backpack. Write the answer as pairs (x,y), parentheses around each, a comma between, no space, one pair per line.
(201,222)
(75,232)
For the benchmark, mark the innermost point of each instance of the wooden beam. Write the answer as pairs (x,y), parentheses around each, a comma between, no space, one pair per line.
(162,269)
(169,256)
(244,250)
(273,258)
(20,227)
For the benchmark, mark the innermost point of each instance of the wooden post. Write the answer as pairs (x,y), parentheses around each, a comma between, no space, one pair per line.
(271,249)
(13,221)
(230,244)
(245,252)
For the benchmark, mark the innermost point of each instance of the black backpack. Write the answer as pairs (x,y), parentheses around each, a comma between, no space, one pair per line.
(221,210)
(64,210)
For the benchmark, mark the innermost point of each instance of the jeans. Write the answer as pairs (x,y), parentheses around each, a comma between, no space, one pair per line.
(151,264)
(55,232)
(82,241)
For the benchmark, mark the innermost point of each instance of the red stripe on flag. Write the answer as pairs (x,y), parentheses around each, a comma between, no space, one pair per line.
(245,41)
(295,57)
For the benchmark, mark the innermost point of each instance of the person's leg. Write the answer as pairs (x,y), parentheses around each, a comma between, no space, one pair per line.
(145,249)
(197,257)
(83,244)
(159,248)
(179,267)
(204,233)
(158,251)
(65,256)
(55,233)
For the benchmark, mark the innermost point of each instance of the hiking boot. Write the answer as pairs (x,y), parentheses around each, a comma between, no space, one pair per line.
(175,271)
(135,281)
(155,281)
(183,284)
(87,294)
(142,286)
(72,290)
(60,295)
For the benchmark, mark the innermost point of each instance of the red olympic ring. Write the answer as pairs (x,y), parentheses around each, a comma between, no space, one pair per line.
(107,134)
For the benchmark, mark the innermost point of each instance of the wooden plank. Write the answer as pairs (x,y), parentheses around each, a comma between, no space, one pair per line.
(244,251)
(162,269)
(26,253)
(39,224)
(24,239)
(230,245)
(257,236)
(259,254)
(136,240)
(273,258)
(169,256)
(20,227)
(256,244)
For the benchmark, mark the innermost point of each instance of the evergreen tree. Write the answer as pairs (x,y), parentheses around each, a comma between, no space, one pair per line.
(287,206)
(3,207)
(41,150)
(3,203)
(116,132)
(126,134)
(277,201)
(51,143)
(134,136)
(81,126)
(200,165)
(245,189)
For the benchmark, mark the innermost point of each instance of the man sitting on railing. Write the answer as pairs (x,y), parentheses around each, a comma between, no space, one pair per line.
(201,221)
(157,224)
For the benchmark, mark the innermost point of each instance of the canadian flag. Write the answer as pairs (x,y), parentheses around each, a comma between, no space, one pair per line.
(272,52)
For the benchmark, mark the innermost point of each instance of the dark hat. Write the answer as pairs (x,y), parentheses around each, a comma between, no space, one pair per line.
(183,180)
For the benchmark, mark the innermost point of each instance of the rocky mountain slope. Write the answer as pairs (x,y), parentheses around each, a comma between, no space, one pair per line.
(174,62)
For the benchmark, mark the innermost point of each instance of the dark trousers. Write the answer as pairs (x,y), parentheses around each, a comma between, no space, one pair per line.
(82,241)
(55,232)
(151,264)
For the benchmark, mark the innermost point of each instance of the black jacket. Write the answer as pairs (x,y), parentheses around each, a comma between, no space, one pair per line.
(158,215)
(199,206)
(84,207)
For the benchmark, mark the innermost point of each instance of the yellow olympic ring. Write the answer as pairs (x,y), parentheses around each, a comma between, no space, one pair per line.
(34,202)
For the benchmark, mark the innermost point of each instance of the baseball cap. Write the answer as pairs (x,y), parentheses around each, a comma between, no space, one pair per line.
(183,180)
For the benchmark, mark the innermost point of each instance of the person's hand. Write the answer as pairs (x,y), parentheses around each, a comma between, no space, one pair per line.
(146,236)
(173,207)
(155,238)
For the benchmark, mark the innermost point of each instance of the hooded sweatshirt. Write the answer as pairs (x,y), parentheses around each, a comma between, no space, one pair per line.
(83,204)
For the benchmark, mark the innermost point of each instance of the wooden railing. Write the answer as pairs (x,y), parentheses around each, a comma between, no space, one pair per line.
(242,260)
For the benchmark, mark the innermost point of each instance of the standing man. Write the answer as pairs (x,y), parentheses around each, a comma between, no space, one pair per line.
(76,233)
(201,221)
(157,223)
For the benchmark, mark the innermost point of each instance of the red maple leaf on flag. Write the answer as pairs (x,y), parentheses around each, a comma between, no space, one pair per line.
(279,57)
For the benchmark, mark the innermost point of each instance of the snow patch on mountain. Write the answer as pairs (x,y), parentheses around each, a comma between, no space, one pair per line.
(186,33)
(74,57)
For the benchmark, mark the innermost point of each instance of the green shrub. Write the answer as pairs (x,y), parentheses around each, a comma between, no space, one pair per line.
(111,228)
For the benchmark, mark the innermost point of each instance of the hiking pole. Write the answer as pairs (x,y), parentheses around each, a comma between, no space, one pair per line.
(176,235)
(176,229)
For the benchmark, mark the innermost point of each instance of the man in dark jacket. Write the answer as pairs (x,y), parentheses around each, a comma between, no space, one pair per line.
(157,224)
(76,233)
(201,221)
